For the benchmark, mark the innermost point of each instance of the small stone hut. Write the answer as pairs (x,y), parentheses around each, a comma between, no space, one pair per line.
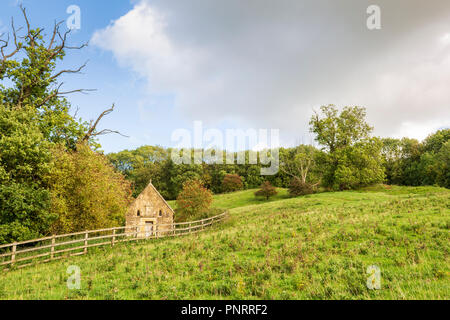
(151,213)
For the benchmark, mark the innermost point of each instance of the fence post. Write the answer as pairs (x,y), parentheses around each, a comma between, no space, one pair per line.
(113,238)
(86,236)
(190,226)
(52,249)
(202,224)
(13,255)
(157,231)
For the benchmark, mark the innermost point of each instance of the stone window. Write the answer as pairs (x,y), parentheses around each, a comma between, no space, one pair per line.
(138,213)
(160,213)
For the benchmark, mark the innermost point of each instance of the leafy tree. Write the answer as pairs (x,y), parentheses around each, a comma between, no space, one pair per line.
(87,193)
(24,212)
(442,165)
(352,159)
(299,188)
(29,64)
(336,130)
(194,199)
(300,162)
(266,190)
(232,182)
(34,120)
(24,163)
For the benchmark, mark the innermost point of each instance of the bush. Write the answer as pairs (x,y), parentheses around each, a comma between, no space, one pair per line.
(86,192)
(266,191)
(299,188)
(232,182)
(193,200)
(24,212)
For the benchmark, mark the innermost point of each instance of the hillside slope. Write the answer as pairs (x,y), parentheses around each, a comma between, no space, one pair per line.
(313,247)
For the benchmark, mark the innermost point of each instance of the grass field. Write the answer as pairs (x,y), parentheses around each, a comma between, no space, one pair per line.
(241,198)
(313,247)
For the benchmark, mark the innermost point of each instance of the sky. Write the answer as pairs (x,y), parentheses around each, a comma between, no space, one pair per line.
(260,64)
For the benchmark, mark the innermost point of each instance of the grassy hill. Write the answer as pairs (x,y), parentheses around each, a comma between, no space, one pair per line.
(313,247)
(241,198)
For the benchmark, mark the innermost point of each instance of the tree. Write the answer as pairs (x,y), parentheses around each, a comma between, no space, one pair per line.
(352,159)
(87,193)
(25,161)
(34,121)
(299,188)
(29,64)
(266,190)
(194,199)
(232,182)
(300,162)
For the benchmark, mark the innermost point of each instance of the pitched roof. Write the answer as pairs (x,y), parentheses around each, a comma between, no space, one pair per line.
(157,192)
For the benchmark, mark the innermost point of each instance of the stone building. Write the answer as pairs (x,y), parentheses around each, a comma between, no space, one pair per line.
(151,213)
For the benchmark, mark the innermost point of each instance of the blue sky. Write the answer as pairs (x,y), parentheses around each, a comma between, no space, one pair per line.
(113,84)
(252,64)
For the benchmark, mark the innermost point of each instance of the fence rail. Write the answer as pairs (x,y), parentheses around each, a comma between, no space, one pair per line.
(48,248)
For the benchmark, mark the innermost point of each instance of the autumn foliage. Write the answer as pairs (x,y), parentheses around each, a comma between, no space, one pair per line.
(232,182)
(87,193)
(194,199)
(266,190)
(299,188)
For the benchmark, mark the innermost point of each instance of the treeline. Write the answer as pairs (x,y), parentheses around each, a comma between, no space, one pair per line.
(349,158)
(51,179)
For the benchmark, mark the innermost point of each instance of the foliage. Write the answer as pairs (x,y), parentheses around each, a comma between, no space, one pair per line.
(28,79)
(353,158)
(301,163)
(410,162)
(46,176)
(24,212)
(266,190)
(24,163)
(232,182)
(87,193)
(193,200)
(299,188)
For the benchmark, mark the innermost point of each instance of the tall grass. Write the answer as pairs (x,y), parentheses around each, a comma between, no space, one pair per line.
(313,247)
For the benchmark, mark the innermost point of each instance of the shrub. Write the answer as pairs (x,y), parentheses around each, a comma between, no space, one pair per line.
(266,191)
(232,182)
(299,188)
(193,200)
(86,192)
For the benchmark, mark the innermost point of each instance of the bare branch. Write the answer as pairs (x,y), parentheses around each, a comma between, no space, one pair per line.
(55,32)
(92,127)
(69,71)
(26,18)
(6,43)
(84,91)
(77,48)
(107,131)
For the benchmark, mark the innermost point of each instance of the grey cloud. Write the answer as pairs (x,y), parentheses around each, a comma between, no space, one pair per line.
(268,63)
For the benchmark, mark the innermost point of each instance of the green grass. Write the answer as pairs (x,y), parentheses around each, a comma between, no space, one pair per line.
(313,247)
(240,199)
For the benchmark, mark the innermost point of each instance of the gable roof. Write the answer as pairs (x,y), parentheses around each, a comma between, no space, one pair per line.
(157,192)
(150,185)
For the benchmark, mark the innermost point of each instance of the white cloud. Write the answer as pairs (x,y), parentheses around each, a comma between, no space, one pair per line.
(264,65)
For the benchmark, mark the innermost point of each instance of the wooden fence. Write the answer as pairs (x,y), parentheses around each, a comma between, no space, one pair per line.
(50,248)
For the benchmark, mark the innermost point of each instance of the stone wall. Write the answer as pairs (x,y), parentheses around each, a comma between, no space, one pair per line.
(149,204)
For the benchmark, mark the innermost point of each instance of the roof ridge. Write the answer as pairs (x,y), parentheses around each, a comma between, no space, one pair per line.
(159,194)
